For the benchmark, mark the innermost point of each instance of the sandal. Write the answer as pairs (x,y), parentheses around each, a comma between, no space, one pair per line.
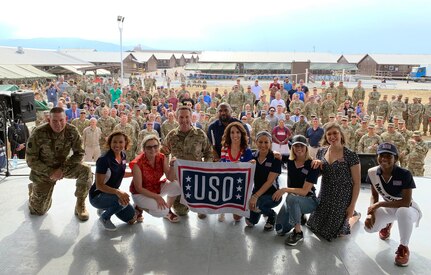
(172,217)
(139,217)
(133,220)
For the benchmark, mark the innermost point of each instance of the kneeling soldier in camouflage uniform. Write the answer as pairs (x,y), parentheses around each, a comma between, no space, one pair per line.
(48,157)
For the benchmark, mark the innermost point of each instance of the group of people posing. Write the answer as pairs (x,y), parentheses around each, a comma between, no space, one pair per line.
(154,188)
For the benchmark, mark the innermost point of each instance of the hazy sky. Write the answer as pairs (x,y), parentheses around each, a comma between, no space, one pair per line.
(339,26)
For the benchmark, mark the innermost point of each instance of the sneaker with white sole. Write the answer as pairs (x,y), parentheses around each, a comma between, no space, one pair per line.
(293,238)
(107,224)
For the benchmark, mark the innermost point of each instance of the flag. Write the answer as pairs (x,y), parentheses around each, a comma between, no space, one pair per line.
(216,187)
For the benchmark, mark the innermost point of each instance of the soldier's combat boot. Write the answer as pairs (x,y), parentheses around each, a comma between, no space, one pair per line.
(80,209)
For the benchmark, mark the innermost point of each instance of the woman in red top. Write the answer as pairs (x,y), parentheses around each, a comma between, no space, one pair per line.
(148,187)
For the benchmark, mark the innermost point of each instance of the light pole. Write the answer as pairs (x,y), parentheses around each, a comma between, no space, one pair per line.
(120,20)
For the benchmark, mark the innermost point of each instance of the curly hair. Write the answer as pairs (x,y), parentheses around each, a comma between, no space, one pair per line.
(227,141)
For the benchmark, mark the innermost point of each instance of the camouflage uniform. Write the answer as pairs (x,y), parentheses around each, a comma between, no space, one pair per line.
(358,135)
(395,138)
(296,104)
(330,90)
(310,109)
(426,118)
(417,152)
(341,95)
(397,108)
(383,109)
(167,127)
(328,107)
(130,132)
(192,145)
(259,125)
(107,126)
(358,94)
(414,112)
(300,128)
(355,127)
(249,98)
(47,151)
(236,101)
(374,97)
(368,145)
(80,124)
(79,97)
(349,136)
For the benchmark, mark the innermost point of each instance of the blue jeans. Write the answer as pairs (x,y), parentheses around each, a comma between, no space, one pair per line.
(264,204)
(111,205)
(291,211)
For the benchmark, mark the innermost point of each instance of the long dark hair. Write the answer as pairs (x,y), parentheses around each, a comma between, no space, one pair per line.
(226,140)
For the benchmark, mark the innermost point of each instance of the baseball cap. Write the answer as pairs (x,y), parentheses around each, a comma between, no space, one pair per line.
(299,139)
(416,134)
(387,147)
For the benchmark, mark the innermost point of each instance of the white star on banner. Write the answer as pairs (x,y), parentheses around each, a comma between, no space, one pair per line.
(238,197)
(239,180)
(188,195)
(238,188)
(188,179)
(188,186)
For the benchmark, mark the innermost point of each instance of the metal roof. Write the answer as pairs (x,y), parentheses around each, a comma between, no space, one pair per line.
(353,58)
(36,57)
(96,57)
(142,57)
(22,72)
(163,56)
(277,57)
(211,66)
(401,59)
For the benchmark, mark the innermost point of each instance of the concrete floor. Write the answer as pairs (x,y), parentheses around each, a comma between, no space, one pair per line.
(57,243)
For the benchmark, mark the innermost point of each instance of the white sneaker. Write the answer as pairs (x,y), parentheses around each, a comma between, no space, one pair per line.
(107,224)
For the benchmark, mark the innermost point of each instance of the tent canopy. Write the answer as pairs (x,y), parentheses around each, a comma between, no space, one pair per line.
(269,66)
(22,72)
(9,88)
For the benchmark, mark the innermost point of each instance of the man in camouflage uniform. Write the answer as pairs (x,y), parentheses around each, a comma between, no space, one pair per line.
(188,143)
(260,124)
(295,103)
(398,107)
(414,114)
(311,107)
(354,123)
(380,127)
(249,97)
(349,134)
(130,132)
(427,117)
(300,127)
(106,125)
(358,93)
(330,90)
(342,94)
(383,108)
(417,151)
(236,99)
(369,142)
(407,134)
(81,122)
(405,113)
(373,100)
(359,133)
(328,107)
(47,155)
(394,137)
(149,130)
(168,125)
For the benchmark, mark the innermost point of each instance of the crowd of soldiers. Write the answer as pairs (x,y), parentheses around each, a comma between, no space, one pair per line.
(101,107)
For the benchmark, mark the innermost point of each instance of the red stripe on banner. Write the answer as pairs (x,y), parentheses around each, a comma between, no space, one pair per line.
(217,207)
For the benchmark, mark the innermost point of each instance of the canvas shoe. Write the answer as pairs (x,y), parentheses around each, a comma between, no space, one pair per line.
(107,224)
(293,238)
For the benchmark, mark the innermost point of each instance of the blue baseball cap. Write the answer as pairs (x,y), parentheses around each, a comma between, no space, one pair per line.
(387,148)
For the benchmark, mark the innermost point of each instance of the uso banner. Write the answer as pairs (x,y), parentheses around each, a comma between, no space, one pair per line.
(215,187)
